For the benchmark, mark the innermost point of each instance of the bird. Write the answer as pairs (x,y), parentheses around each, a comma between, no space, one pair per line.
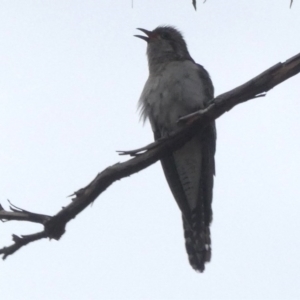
(177,86)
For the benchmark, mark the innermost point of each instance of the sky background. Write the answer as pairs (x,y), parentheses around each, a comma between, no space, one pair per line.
(71,74)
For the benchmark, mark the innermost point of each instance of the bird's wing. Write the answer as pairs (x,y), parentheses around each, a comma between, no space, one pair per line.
(189,172)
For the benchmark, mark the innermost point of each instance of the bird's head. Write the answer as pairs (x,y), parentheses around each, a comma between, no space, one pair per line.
(165,44)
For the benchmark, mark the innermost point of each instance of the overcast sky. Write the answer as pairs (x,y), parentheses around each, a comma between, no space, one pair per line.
(71,73)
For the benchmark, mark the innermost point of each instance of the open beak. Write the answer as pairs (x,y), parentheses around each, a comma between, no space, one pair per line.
(145,38)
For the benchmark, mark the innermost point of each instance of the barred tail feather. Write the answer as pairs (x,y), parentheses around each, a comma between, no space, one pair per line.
(197,243)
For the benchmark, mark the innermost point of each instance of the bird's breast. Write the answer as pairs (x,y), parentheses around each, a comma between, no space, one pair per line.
(175,90)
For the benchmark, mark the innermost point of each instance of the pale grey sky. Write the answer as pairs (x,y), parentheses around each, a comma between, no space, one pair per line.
(71,73)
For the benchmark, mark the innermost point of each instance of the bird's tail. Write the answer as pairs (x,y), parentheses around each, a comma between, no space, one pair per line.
(197,243)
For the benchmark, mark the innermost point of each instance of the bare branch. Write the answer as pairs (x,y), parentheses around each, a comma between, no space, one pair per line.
(20,242)
(54,227)
(19,214)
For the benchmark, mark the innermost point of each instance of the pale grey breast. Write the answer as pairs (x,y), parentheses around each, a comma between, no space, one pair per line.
(175,90)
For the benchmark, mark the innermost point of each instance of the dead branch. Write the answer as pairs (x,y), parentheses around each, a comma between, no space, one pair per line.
(54,226)
(19,214)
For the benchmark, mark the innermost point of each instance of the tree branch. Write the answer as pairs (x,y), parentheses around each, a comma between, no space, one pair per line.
(54,227)
(19,214)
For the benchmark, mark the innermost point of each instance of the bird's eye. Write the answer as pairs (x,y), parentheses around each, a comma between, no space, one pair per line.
(165,35)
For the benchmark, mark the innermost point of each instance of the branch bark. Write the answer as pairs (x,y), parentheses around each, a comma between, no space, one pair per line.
(54,226)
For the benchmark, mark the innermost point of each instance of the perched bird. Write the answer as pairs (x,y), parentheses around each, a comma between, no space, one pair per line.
(177,86)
